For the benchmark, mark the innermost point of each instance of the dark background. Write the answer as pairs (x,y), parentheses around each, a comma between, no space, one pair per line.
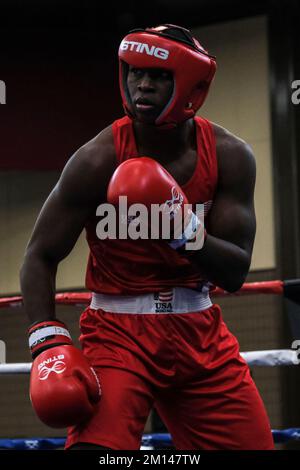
(59,63)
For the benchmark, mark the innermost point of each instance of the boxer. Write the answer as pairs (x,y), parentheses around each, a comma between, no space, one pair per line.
(151,334)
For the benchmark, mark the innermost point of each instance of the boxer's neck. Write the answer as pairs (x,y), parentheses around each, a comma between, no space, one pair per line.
(165,142)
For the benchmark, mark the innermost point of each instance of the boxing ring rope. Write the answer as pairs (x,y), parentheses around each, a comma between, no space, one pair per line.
(84,298)
(267,358)
(149,441)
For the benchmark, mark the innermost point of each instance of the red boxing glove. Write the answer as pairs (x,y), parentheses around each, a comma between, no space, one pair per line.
(143,180)
(64,389)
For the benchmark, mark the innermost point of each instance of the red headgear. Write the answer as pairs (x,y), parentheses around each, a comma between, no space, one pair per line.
(192,67)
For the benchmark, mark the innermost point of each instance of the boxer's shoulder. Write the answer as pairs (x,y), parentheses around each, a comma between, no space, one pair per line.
(99,152)
(227,141)
(233,153)
(90,168)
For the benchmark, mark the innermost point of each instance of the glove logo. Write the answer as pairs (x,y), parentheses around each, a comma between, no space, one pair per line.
(58,367)
(171,206)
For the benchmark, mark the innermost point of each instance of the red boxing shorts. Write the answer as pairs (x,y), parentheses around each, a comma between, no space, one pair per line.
(187,365)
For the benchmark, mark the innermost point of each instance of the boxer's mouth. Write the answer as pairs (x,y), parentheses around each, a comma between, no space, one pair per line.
(143,104)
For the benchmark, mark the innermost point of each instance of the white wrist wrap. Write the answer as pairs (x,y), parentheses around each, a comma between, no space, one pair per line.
(43,333)
(188,234)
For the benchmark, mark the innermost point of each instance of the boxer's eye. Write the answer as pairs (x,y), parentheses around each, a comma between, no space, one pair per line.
(136,72)
(166,75)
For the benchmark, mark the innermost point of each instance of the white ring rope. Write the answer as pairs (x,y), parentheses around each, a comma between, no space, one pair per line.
(18,368)
(272,357)
(268,358)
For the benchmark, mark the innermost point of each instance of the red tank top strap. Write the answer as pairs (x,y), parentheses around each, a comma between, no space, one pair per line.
(124,139)
(206,140)
(205,177)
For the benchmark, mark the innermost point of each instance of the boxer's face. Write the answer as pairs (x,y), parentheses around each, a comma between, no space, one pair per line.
(150,90)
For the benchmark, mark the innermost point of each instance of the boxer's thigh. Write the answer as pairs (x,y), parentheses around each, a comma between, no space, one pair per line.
(121,414)
(203,415)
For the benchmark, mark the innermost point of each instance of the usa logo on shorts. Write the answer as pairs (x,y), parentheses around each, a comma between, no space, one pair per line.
(163,301)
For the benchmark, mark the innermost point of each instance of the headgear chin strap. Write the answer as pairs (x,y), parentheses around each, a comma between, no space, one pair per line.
(192,67)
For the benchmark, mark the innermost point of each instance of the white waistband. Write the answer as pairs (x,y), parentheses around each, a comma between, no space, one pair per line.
(174,300)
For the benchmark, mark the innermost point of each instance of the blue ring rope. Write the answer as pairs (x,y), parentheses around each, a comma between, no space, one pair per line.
(155,441)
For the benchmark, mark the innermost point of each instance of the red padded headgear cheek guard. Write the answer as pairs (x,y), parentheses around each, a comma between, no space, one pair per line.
(126,100)
(191,84)
(193,70)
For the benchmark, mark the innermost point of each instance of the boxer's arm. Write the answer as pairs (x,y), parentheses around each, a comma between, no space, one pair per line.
(226,255)
(80,189)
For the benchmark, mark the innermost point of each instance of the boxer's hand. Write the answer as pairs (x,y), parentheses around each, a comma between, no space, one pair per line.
(64,389)
(143,180)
